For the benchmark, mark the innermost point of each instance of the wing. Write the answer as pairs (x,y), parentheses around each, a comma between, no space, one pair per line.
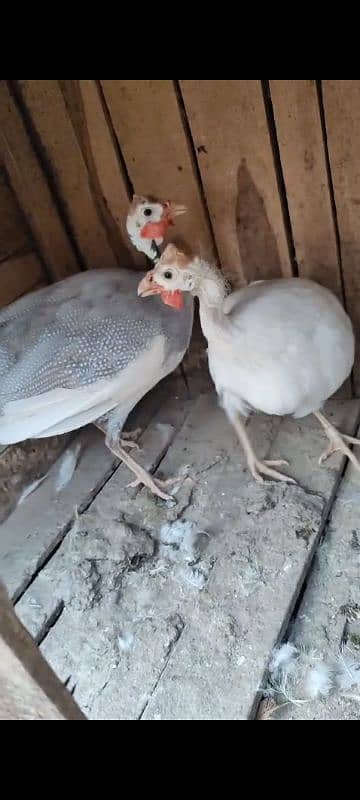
(73,334)
(71,352)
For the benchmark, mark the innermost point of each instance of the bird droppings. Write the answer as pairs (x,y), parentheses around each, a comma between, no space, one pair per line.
(171,611)
(354,640)
(181,536)
(355,541)
(351,611)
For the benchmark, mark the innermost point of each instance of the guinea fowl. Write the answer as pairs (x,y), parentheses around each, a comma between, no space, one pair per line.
(278,346)
(87,349)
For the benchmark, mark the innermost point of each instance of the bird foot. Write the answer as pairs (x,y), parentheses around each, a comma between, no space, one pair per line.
(259,468)
(126,439)
(131,434)
(131,445)
(338,444)
(155,485)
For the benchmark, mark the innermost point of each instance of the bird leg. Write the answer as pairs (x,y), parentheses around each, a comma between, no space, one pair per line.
(127,437)
(142,476)
(337,441)
(110,427)
(257,467)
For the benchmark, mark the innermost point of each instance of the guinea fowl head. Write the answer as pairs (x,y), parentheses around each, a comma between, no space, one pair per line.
(148,221)
(176,273)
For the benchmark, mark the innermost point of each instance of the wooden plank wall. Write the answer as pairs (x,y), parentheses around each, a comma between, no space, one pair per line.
(29,689)
(269,171)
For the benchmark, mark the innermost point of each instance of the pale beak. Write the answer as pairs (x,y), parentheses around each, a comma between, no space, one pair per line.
(175,210)
(148,286)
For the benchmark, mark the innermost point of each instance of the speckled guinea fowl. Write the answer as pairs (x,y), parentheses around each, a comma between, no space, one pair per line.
(88,349)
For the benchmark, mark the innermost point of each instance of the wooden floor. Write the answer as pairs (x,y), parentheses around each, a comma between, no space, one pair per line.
(163,611)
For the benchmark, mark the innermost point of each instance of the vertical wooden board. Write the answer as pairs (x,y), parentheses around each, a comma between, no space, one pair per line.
(150,130)
(232,140)
(300,138)
(342,115)
(19,275)
(46,106)
(29,689)
(14,235)
(32,191)
(99,148)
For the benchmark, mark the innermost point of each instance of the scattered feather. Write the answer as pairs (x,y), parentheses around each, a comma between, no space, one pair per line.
(298,675)
(67,467)
(126,641)
(181,543)
(30,489)
(319,681)
(282,655)
(182,536)
(347,674)
(193,577)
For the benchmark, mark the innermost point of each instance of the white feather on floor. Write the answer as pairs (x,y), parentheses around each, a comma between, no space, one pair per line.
(29,489)
(67,466)
(347,672)
(298,674)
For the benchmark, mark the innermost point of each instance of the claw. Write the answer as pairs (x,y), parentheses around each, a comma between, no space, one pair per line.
(129,444)
(259,468)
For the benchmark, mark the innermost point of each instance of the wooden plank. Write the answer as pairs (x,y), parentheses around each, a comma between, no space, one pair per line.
(148,124)
(98,144)
(19,275)
(46,106)
(37,526)
(14,236)
(256,560)
(49,591)
(324,621)
(32,191)
(231,135)
(22,464)
(29,690)
(342,114)
(298,127)
(190,611)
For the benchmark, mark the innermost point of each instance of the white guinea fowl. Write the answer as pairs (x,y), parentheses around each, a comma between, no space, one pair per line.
(278,347)
(87,349)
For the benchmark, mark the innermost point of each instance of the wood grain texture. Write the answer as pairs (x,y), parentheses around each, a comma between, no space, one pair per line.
(230,130)
(32,190)
(99,148)
(14,235)
(342,115)
(29,689)
(150,131)
(46,106)
(300,137)
(19,275)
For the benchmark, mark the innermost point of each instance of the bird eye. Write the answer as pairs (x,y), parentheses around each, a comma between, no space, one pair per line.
(147,212)
(168,275)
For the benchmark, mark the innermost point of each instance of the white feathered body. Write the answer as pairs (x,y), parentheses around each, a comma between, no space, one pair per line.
(283,347)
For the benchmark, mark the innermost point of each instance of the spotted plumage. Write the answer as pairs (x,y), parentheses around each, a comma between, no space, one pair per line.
(78,335)
(88,349)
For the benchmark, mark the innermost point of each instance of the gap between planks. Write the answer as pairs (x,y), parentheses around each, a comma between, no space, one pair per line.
(262,540)
(30,535)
